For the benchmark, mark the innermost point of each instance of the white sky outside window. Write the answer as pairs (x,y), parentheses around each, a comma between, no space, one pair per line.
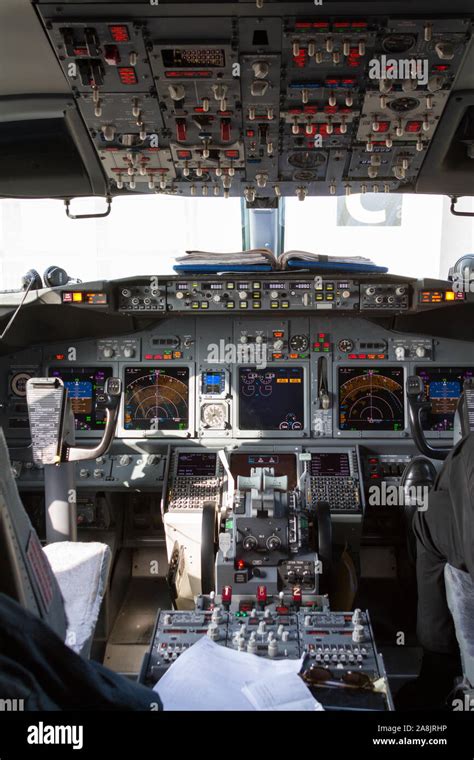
(141,236)
(412,235)
(415,236)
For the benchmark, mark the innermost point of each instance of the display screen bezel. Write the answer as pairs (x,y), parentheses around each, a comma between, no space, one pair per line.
(243,432)
(193,453)
(161,433)
(70,368)
(442,368)
(376,433)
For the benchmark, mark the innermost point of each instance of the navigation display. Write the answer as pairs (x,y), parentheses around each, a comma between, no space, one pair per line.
(196,464)
(85,387)
(156,398)
(371,398)
(326,464)
(271,399)
(443,387)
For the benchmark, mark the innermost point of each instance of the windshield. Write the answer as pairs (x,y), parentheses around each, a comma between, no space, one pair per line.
(411,235)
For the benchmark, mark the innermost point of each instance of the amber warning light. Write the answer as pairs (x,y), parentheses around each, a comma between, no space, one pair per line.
(440,296)
(82,297)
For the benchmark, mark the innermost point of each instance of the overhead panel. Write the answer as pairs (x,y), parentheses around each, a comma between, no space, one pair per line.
(259,106)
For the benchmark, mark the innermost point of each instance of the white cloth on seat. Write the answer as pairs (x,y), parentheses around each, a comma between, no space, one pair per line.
(460,596)
(81,570)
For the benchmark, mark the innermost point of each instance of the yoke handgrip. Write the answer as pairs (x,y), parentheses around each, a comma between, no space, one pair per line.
(113,393)
(417,405)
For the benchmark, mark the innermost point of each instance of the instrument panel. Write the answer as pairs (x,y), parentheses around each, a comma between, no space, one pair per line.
(248,376)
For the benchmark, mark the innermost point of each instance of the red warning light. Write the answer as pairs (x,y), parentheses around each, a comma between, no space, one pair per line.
(119,33)
(127,75)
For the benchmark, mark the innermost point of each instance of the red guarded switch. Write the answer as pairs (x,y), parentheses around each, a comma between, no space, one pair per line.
(261,594)
(111,55)
(226,595)
(181,130)
(225,130)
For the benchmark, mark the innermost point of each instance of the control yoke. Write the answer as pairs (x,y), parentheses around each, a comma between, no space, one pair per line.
(50,423)
(113,393)
(52,440)
(416,405)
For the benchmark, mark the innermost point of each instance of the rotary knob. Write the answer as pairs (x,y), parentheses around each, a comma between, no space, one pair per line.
(399,352)
(125,460)
(243,295)
(249,543)
(278,345)
(108,352)
(420,351)
(273,543)
(129,352)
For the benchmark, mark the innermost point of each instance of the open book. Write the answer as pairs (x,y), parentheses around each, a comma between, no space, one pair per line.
(263,259)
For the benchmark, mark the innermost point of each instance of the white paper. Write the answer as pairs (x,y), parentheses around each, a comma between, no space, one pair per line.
(208,676)
(283,691)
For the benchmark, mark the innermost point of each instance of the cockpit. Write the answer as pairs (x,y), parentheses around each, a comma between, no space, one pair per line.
(236,358)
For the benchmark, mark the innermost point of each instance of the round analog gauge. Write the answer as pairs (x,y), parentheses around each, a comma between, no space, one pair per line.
(398,43)
(403,105)
(305,159)
(214,416)
(299,343)
(18,383)
(345,345)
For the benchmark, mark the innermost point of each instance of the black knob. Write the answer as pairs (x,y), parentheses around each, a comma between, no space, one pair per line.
(273,543)
(250,543)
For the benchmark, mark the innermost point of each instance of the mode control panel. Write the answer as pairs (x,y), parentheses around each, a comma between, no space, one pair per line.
(251,294)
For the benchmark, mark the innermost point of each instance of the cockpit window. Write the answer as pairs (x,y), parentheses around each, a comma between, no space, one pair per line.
(413,235)
(141,235)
